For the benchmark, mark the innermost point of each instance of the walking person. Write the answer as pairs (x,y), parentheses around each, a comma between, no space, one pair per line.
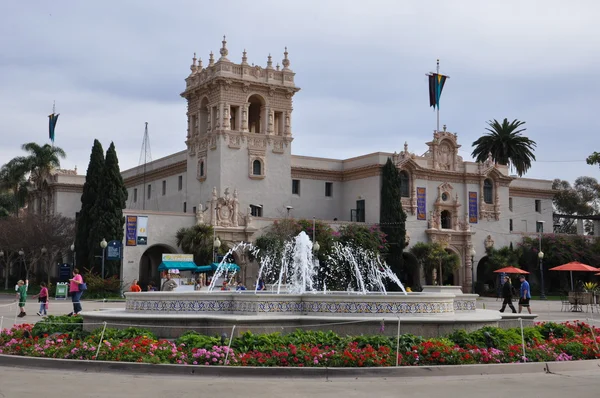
(507,295)
(75,292)
(42,299)
(524,294)
(22,296)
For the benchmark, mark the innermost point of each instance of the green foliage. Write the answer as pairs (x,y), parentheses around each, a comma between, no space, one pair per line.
(58,324)
(13,185)
(41,160)
(371,238)
(506,144)
(392,217)
(99,287)
(197,240)
(501,338)
(249,341)
(433,256)
(87,240)
(593,159)
(558,330)
(583,198)
(194,339)
(120,334)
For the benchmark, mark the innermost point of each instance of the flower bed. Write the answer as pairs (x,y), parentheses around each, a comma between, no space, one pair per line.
(544,342)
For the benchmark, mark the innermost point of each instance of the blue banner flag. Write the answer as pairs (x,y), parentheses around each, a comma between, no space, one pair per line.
(52,125)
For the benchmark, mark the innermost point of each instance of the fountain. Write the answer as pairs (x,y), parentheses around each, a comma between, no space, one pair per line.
(299,298)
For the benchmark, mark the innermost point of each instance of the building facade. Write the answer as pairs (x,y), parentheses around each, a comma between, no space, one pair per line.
(238,174)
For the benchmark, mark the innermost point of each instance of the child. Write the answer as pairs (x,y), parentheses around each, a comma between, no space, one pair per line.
(43,299)
(22,296)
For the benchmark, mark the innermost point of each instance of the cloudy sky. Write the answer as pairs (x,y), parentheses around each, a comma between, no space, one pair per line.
(113,65)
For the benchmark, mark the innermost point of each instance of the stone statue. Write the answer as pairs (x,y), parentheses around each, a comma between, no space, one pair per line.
(200,214)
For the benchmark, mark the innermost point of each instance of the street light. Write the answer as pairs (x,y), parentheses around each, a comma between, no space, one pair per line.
(5,270)
(541,257)
(22,255)
(74,255)
(216,245)
(473,253)
(103,245)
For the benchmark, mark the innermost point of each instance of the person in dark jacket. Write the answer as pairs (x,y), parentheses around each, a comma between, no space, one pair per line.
(507,295)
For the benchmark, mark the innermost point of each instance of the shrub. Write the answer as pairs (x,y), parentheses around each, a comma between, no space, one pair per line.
(63,324)
(555,329)
(122,334)
(194,339)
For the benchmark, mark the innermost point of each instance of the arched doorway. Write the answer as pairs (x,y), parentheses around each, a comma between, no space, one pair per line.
(255,113)
(149,263)
(452,278)
(485,276)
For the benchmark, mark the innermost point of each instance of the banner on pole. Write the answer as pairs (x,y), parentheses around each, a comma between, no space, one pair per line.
(421,204)
(131,231)
(142,230)
(473,207)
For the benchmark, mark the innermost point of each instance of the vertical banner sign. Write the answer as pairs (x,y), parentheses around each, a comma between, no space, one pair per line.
(142,230)
(421,204)
(473,207)
(131,231)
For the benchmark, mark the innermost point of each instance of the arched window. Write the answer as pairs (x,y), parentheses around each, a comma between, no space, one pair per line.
(404,184)
(446,220)
(488,191)
(256,168)
(201,169)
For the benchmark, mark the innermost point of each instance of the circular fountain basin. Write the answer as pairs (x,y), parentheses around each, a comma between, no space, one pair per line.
(170,314)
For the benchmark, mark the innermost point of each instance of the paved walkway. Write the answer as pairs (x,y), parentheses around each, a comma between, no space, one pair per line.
(26,383)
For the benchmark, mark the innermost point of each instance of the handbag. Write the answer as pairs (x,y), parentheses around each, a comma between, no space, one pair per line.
(82,287)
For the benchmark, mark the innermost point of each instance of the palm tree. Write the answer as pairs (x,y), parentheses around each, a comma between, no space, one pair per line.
(506,145)
(13,183)
(42,159)
(197,240)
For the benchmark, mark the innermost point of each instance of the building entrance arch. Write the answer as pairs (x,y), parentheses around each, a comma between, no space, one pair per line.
(149,263)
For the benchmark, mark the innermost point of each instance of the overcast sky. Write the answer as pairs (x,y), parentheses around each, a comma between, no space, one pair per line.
(113,65)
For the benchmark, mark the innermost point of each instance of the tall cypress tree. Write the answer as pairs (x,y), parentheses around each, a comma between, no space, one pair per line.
(92,189)
(391,217)
(116,199)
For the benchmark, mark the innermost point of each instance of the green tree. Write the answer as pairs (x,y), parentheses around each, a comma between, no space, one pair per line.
(197,240)
(107,211)
(392,217)
(433,256)
(87,240)
(583,199)
(13,184)
(41,161)
(593,159)
(507,146)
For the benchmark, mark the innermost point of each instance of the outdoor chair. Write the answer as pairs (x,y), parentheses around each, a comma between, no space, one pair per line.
(565,304)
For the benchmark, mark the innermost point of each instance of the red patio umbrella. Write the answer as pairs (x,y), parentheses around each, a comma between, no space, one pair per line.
(511,270)
(574,266)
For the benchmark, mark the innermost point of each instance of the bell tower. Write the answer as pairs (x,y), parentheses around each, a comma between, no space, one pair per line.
(240,130)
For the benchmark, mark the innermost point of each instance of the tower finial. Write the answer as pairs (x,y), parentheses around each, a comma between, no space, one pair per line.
(199,64)
(211,59)
(269,62)
(244,58)
(223,51)
(405,147)
(193,66)
(285,62)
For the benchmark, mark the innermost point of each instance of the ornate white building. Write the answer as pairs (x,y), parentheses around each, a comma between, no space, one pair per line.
(238,174)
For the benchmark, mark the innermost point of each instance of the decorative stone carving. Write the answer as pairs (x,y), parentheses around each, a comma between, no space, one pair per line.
(200,214)
(489,242)
(226,117)
(224,209)
(208,125)
(270,127)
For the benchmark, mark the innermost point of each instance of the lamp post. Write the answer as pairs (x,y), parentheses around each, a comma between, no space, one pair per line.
(22,256)
(216,245)
(473,253)
(74,255)
(103,245)
(5,270)
(541,257)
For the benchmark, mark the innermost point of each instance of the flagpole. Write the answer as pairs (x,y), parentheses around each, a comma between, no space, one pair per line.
(53,113)
(438,105)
